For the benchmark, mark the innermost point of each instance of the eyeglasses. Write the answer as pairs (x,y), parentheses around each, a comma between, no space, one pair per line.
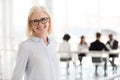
(36,22)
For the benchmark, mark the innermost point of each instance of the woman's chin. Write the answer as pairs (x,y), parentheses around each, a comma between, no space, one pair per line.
(42,32)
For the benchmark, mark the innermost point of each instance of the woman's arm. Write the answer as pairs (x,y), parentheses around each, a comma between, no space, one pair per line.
(21,62)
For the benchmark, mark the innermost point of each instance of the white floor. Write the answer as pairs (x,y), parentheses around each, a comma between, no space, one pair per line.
(76,72)
(86,71)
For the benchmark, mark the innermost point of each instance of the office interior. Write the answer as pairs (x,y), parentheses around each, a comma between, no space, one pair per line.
(75,17)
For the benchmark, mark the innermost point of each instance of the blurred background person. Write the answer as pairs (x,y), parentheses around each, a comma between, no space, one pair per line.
(65,49)
(82,48)
(112,44)
(97,45)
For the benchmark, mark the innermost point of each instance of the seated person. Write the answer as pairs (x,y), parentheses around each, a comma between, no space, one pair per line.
(112,44)
(97,45)
(82,48)
(64,49)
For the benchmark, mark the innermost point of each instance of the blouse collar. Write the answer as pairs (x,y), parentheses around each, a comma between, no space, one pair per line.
(36,39)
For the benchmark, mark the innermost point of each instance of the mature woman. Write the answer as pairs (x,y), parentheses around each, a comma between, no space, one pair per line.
(37,58)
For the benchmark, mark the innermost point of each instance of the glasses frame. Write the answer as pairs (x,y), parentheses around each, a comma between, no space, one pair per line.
(36,22)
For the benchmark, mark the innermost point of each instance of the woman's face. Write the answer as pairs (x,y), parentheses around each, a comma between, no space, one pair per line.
(40,23)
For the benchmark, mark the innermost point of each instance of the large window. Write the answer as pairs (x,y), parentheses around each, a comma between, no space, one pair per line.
(90,14)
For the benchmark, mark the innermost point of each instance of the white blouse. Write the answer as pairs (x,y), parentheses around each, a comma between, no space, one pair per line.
(83,47)
(36,61)
(65,48)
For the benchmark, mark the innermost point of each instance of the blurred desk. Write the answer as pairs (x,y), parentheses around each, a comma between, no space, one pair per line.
(104,54)
(93,52)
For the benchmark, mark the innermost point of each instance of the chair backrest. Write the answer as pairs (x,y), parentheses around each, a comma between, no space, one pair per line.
(97,57)
(65,56)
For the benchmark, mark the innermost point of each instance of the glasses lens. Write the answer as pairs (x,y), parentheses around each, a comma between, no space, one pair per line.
(35,22)
(44,20)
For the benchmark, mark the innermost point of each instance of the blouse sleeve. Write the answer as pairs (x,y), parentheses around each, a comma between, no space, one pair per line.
(21,62)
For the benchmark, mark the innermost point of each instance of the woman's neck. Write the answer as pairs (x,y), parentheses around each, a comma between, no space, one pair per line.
(43,37)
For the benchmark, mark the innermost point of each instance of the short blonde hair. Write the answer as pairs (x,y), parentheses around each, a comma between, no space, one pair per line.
(34,9)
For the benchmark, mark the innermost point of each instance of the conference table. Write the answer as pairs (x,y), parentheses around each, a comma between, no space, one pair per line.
(101,54)
(89,53)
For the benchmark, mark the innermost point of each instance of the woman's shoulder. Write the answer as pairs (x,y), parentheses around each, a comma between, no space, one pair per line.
(26,42)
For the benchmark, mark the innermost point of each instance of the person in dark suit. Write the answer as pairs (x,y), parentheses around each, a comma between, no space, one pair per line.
(113,45)
(97,45)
